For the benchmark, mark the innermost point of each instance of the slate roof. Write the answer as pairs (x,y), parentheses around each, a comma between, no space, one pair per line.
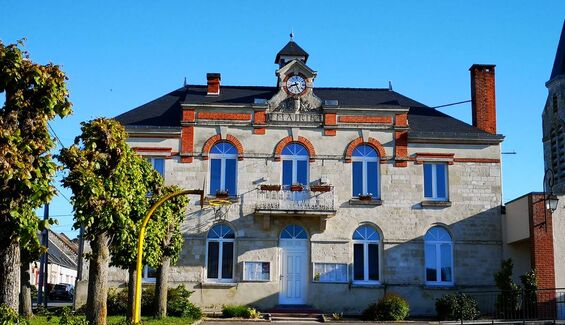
(165,111)
(559,64)
(291,49)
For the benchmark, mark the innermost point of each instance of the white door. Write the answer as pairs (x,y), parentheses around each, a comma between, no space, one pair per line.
(294,267)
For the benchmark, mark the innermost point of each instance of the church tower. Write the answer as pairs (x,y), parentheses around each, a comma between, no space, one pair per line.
(553,118)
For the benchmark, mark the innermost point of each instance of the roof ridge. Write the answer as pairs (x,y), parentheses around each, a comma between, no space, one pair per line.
(275,87)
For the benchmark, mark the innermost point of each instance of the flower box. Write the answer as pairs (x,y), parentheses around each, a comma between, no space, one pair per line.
(222,194)
(320,188)
(270,187)
(367,197)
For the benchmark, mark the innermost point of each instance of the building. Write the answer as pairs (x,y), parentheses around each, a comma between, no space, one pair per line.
(336,195)
(62,261)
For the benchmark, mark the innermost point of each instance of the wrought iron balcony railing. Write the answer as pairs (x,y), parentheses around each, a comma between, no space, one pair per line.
(296,198)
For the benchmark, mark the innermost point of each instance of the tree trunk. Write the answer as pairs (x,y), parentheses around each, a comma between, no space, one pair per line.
(10,273)
(25,292)
(96,303)
(162,287)
(131,291)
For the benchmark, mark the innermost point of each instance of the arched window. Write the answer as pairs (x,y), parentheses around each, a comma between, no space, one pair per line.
(295,164)
(366,241)
(220,253)
(365,162)
(223,169)
(438,256)
(294,232)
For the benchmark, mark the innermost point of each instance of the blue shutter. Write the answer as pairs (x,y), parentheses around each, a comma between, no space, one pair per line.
(231,180)
(373,179)
(227,260)
(357,178)
(287,172)
(428,192)
(373,262)
(215,175)
(358,262)
(159,165)
(213,259)
(302,172)
(440,175)
(431,262)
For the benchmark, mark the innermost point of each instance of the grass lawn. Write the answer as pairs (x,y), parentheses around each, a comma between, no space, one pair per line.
(42,320)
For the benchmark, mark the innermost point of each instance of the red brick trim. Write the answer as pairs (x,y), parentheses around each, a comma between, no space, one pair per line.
(477,160)
(188,115)
(259,131)
(330,132)
(365,119)
(401,120)
(153,150)
(400,148)
(422,157)
(187,143)
(371,141)
(224,116)
(302,140)
(217,138)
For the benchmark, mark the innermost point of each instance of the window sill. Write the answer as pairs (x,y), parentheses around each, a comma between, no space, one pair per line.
(232,199)
(435,204)
(439,286)
(366,285)
(218,284)
(373,202)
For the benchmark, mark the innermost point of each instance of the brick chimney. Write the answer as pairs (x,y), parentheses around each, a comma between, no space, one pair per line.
(213,83)
(483,97)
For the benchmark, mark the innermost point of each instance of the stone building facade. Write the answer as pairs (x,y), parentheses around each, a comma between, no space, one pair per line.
(328,197)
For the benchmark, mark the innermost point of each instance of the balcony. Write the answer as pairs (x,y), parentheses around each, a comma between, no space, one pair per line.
(296,200)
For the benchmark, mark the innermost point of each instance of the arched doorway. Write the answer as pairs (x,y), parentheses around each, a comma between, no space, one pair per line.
(294,265)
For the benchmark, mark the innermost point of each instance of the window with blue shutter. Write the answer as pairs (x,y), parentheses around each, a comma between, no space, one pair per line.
(365,164)
(223,169)
(435,181)
(295,164)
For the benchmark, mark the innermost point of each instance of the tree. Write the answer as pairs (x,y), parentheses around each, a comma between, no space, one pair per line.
(34,95)
(106,180)
(124,245)
(171,214)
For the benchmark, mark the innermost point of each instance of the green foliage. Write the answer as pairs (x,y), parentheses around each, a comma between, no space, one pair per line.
(8,316)
(117,301)
(240,311)
(68,317)
(507,302)
(530,286)
(171,215)
(34,95)
(390,307)
(457,306)
(179,305)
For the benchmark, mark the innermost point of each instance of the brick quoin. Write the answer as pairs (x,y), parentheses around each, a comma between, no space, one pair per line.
(400,148)
(302,140)
(365,119)
(217,138)
(187,143)
(542,254)
(401,120)
(330,119)
(372,142)
(259,122)
(188,115)
(483,97)
(224,116)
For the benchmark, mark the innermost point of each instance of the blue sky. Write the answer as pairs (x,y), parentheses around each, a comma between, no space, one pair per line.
(121,54)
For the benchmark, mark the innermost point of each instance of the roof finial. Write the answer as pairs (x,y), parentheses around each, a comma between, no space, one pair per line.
(292,35)
(390,85)
(184,82)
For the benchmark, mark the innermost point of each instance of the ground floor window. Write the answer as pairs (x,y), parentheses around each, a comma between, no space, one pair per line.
(366,242)
(220,253)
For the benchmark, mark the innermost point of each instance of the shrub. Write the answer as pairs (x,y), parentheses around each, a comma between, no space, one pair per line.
(179,305)
(8,316)
(117,301)
(457,306)
(70,318)
(390,307)
(229,311)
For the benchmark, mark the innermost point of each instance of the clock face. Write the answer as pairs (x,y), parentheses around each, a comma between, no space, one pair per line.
(295,85)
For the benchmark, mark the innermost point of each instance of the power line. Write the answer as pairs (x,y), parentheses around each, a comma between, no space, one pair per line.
(452,104)
(56,136)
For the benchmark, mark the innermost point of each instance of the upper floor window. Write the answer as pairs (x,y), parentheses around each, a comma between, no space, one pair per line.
(438,256)
(220,253)
(295,164)
(365,162)
(435,181)
(223,169)
(366,241)
(158,164)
